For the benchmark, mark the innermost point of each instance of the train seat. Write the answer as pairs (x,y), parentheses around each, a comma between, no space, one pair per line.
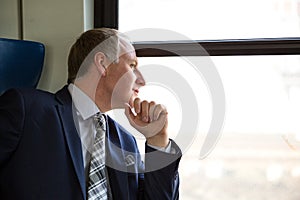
(21,63)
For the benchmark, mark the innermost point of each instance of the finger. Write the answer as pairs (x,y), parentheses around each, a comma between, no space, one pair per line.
(137,105)
(129,114)
(151,110)
(158,125)
(159,109)
(145,111)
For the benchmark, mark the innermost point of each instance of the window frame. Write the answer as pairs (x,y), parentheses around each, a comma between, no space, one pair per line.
(106,13)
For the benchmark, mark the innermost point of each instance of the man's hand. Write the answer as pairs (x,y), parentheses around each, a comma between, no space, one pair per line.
(151,120)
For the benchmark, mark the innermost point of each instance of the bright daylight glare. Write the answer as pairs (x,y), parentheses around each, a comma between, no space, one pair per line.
(258,154)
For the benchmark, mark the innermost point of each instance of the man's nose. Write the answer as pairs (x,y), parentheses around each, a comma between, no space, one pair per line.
(139,78)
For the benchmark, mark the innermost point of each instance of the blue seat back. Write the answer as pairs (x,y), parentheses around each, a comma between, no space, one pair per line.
(21,63)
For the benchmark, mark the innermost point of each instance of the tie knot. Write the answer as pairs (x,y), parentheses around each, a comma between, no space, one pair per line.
(100,122)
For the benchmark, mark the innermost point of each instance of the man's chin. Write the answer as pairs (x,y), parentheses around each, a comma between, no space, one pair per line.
(123,105)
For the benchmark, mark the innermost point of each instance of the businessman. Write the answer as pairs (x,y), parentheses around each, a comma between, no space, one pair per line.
(63,146)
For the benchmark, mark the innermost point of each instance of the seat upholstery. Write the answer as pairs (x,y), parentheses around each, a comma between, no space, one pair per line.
(21,63)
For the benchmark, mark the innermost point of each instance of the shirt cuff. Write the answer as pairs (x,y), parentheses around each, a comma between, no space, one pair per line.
(167,149)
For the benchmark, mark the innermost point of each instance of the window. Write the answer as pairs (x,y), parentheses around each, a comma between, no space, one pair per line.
(257,156)
(214,19)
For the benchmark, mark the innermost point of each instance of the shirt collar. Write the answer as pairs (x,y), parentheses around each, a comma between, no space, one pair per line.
(83,103)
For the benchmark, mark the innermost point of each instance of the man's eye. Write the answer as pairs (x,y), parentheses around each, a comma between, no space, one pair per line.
(133,66)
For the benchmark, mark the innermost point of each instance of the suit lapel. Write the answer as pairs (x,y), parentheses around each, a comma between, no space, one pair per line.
(115,162)
(71,135)
(115,158)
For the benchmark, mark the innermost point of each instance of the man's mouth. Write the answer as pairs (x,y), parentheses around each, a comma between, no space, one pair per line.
(136,91)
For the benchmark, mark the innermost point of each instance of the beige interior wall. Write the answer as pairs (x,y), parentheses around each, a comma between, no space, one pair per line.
(9,19)
(55,23)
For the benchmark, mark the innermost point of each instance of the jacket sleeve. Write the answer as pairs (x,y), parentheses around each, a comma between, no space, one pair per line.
(161,179)
(12,114)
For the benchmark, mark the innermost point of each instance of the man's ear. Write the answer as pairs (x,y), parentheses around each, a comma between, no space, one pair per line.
(99,61)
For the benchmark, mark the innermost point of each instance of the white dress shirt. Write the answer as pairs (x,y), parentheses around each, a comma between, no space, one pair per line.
(85,109)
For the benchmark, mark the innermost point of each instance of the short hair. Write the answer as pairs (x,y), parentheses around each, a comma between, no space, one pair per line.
(105,40)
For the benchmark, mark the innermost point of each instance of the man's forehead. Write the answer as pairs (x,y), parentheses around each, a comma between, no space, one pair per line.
(130,56)
(126,46)
(126,49)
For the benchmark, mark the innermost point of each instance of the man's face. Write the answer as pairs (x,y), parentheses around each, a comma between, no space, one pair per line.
(124,80)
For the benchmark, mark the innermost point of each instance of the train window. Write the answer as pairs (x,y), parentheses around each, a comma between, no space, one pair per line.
(214,19)
(257,155)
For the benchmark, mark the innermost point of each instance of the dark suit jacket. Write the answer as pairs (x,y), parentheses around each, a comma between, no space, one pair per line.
(41,155)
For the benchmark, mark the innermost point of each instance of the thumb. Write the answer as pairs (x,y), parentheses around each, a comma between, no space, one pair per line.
(129,114)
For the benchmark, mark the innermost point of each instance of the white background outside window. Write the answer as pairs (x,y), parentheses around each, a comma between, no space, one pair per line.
(258,155)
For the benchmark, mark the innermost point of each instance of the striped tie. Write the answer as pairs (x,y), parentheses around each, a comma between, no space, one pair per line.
(97,185)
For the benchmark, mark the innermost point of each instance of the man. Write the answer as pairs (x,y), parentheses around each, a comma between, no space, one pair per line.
(47,141)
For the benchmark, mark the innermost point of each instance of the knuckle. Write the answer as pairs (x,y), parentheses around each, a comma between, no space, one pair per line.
(144,102)
(160,106)
(152,103)
(136,100)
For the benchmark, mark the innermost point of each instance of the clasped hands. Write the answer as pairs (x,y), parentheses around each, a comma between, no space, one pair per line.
(150,119)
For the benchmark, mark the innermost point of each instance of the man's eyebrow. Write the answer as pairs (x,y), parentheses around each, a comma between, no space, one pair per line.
(131,57)
(135,62)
